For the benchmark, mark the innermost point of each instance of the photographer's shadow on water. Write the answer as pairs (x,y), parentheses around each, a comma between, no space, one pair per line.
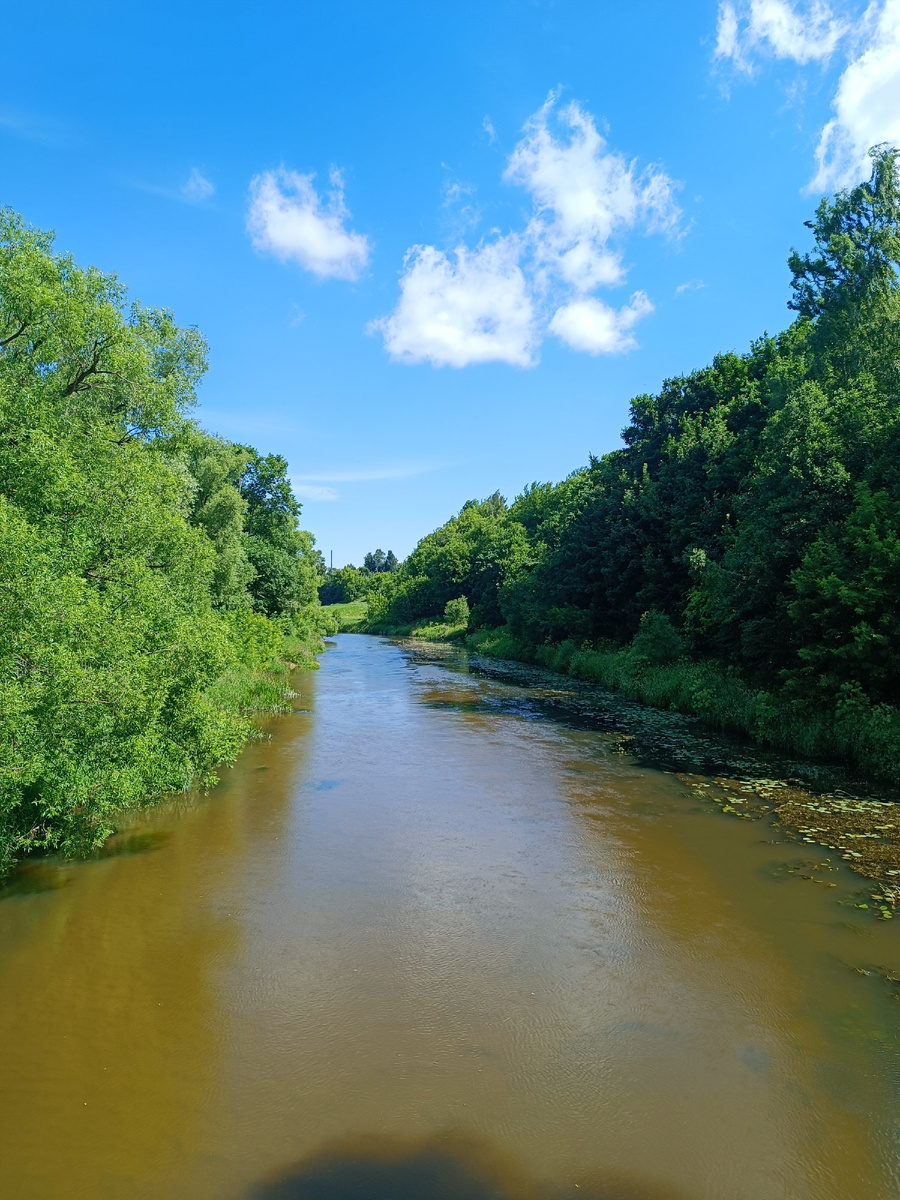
(443,1167)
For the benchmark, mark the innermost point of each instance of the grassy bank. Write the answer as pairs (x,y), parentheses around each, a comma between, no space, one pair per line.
(655,670)
(261,681)
(352,618)
(348,617)
(852,730)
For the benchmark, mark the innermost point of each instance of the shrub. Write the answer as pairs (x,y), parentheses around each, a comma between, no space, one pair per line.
(657,641)
(456,612)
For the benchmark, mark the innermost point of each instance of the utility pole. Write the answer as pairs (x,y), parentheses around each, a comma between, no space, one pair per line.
(332,560)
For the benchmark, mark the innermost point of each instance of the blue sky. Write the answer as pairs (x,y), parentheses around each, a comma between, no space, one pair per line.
(437,246)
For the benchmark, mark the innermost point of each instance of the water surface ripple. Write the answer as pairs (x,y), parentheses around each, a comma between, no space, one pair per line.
(429,942)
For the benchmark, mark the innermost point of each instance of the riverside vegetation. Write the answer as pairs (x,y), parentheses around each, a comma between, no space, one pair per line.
(739,557)
(154,582)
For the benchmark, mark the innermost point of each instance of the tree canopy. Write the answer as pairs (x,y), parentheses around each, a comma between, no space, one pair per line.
(140,558)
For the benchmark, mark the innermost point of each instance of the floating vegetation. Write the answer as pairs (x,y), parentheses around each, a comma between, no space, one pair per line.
(808,869)
(865,832)
(889,977)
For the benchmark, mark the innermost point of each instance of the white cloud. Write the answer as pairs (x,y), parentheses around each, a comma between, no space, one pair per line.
(496,302)
(867,100)
(594,327)
(475,309)
(690,286)
(867,104)
(583,195)
(197,188)
(289,219)
(806,34)
(727,45)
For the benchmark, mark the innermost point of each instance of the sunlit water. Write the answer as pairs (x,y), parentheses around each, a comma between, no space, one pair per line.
(428,942)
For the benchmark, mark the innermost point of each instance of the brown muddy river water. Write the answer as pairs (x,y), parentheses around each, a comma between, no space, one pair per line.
(434,942)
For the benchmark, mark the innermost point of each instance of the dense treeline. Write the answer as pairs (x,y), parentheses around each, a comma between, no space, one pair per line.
(739,557)
(152,577)
(344,584)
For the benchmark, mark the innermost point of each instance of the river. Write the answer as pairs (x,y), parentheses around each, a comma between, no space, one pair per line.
(432,942)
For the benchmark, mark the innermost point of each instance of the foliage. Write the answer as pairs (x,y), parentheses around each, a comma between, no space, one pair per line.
(741,550)
(133,558)
(342,585)
(378,561)
(456,612)
(473,555)
(657,641)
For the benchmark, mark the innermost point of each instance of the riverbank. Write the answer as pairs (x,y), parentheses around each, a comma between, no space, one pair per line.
(264,655)
(852,730)
(816,805)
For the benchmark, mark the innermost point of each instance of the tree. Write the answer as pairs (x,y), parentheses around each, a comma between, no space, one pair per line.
(128,651)
(377,561)
(343,584)
(456,612)
(288,568)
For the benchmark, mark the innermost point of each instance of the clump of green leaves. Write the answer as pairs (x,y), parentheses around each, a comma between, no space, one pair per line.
(456,612)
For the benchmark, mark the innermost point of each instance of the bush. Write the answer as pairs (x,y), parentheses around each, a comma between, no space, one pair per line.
(657,641)
(456,612)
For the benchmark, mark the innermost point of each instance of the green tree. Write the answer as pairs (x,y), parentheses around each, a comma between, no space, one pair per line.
(128,652)
(288,568)
(343,584)
(456,612)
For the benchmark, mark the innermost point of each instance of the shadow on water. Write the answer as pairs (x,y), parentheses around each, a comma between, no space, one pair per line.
(32,876)
(443,1167)
(134,843)
(38,875)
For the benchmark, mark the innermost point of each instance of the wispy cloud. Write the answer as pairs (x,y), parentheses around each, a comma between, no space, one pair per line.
(197,188)
(807,33)
(460,208)
(307,491)
(496,301)
(289,219)
(32,126)
(692,285)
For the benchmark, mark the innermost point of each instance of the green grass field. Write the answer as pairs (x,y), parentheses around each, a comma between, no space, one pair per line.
(350,615)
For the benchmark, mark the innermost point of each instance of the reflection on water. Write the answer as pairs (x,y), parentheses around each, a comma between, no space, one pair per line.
(31,877)
(429,904)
